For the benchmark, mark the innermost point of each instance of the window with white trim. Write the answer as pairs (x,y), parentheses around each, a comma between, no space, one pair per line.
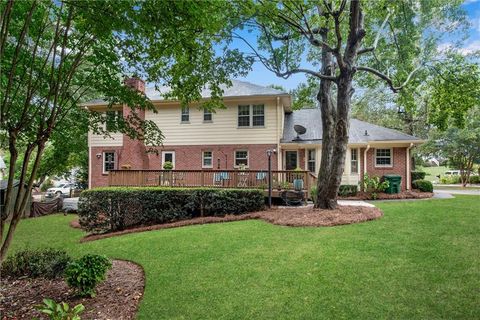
(185,114)
(207,116)
(251,116)
(207,159)
(311,160)
(383,158)
(241,158)
(112,117)
(353,161)
(109,161)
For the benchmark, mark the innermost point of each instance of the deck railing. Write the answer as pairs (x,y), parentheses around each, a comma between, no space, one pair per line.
(281,180)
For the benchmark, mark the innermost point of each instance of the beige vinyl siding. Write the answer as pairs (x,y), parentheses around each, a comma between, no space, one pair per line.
(223,129)
(95,140)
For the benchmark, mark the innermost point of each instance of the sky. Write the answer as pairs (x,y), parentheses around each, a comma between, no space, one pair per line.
(260,75)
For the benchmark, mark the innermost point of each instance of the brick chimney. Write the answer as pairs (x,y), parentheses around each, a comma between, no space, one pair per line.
(134,152)
(135,83)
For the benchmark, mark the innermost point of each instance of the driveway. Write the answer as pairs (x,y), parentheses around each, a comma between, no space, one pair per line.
(456,191)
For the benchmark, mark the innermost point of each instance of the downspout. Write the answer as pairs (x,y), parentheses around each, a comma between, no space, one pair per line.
(365,162)
(89,167)
(279,132)
(408,166)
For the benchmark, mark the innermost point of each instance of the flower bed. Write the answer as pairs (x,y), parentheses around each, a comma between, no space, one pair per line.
(412,194)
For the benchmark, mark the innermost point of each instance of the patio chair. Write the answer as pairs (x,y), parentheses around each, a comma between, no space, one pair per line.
(293,198)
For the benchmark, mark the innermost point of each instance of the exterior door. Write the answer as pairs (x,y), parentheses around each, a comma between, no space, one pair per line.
(291,160)
(168,156)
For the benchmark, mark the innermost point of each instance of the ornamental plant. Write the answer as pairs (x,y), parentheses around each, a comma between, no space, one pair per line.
(374,185)
(60,311)
(167,165)
(86,273)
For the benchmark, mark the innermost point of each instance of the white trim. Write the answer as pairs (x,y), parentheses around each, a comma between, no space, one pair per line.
(383,165)
(235,158)
(365,159)
(408,184)
(187,113)
(250,116)
(103,160)
(203,159)
(89,167)
(173,158)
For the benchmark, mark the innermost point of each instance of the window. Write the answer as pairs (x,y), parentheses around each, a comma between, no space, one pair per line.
(111,120)
(258,116)
(168,156)
(311,160)
(207,159)
(241,158)
(383,158)
(251,115)
(207,116)
(244,116)
(185,114)
(353,161)
(108,161)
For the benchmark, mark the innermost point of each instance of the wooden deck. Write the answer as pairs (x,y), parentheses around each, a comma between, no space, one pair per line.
(248,179)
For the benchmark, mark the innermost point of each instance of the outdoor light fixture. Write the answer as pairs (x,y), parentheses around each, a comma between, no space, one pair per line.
(99,155)
(269,155)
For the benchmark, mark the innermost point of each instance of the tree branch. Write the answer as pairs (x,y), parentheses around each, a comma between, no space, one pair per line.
(387,79)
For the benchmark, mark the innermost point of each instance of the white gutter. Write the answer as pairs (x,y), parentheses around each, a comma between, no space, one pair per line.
(279,133)
(408,166)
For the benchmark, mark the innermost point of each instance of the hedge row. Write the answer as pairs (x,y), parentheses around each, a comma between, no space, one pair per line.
(418,175)
(423,185)
(113,208)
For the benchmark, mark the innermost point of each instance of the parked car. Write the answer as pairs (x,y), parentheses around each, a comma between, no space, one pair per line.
(457,173)
(62,190)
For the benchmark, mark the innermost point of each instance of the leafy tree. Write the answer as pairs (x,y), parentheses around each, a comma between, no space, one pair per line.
(53,53)
(335,41)
(461,146)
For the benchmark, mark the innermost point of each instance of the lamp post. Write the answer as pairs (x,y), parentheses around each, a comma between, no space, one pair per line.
(269,155)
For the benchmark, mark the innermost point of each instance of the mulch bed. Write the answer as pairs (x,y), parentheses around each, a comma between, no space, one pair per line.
(412,194)
(117,297)
(288,216)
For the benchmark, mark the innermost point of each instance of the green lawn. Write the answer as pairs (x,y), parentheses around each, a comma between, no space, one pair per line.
(419,261)
(433,172)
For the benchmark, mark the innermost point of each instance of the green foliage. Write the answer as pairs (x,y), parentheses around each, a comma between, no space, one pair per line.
(168,165)
(373,185)
(48,263)
(474,179)
(346,190)
(86,273)
(46,185)
(423,185)
(450,179)
(60,311)
(314,194)
(418,175)
(111,209)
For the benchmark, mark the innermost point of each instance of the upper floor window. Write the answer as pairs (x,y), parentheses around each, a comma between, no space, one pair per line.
(185,114)
(112,118)
(353,161)
(241,158)
(109,161)
(383,158)
(207,159)
(251,115)
(207,116)
(311,160)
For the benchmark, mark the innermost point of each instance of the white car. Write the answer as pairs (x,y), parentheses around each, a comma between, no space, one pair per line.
(62,190)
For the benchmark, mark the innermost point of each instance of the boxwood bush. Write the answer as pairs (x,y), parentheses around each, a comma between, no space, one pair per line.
(423,185)
(117,208)
(48,263)
(347,190)
(418,175)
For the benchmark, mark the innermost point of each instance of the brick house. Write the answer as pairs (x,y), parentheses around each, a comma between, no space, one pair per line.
(255,119)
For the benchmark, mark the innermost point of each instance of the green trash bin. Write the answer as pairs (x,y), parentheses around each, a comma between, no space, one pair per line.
(394,183)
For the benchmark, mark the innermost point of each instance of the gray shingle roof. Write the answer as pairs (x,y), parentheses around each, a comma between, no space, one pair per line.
(311,119)
(238,89)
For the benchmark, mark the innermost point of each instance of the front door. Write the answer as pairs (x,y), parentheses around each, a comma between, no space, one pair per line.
(291,160)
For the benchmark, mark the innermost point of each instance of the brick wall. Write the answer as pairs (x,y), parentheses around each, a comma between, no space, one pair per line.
(398,168)
(97,178)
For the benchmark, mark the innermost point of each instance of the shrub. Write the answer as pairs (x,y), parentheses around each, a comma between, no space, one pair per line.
(46,185)
(373,185)
(423,185)
(474,179)
(47,263)
(450,179)
(314,194)
(418,175)
(111,209)
(347,190)
(167,165)
(84,274)
(60,311)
